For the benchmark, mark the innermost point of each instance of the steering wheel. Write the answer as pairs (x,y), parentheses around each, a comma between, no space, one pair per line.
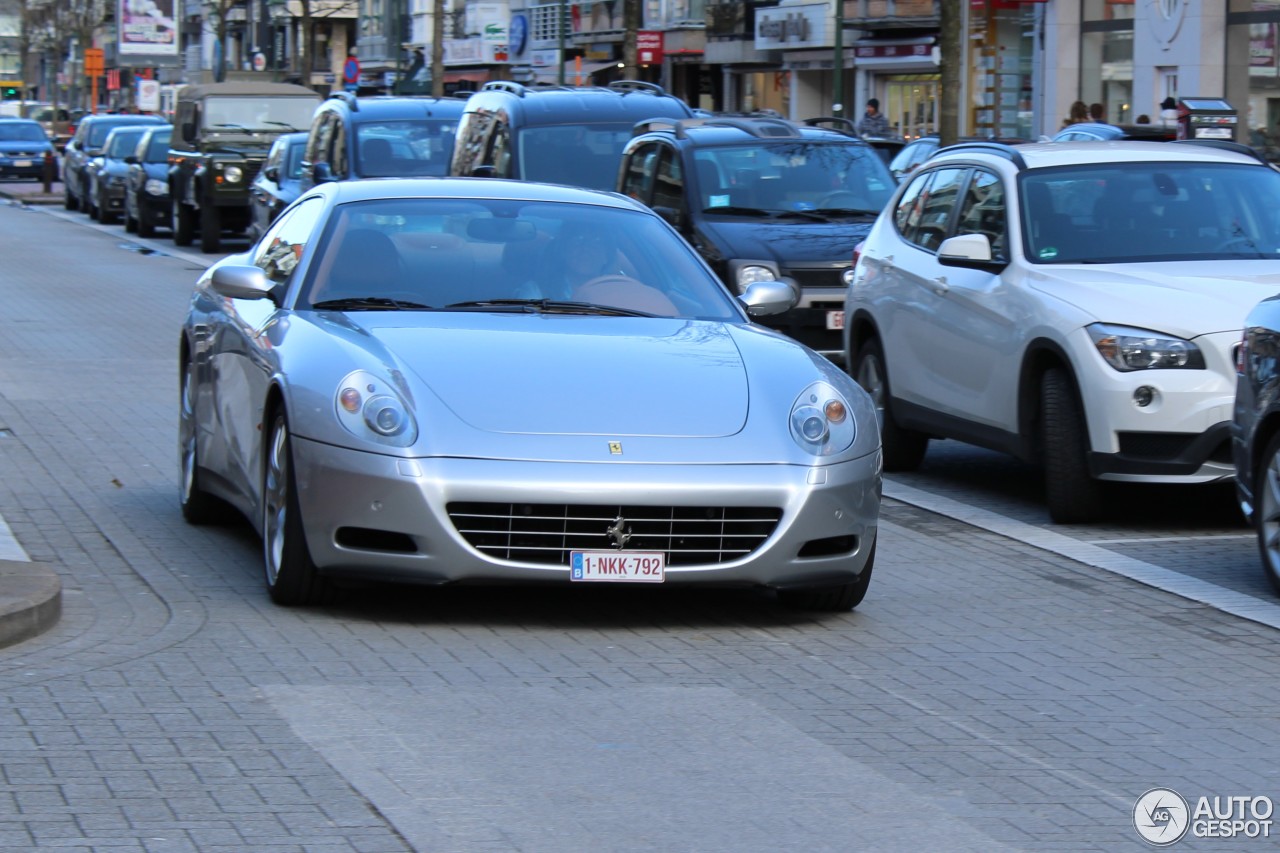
(841,198)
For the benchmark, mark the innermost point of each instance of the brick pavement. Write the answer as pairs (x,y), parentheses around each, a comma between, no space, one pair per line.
(987,695)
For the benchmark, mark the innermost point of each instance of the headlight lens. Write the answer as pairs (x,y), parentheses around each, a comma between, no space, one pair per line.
(155,187)
(1127,349)
(749,274)
(233,174)
(373,409)
(820,421)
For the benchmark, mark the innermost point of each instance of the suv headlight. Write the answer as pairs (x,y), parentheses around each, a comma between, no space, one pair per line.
(374,410)
(749,272)
(1127,349)
(156,187)
(821,421)
(233,174)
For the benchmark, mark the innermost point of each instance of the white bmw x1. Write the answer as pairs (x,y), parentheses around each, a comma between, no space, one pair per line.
(1077,305)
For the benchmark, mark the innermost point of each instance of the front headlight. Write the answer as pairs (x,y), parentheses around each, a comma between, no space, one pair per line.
(233,174)
(751,272)
(155,187)
(372,409)
(1127,349)
(821,421)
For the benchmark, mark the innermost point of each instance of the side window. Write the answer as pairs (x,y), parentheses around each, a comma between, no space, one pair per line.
(500,149)
(323,140)
(314,135)
(907,213)
(936,206)
(637,178)
(668,184)
(983,212)
(282,246)
(472,142)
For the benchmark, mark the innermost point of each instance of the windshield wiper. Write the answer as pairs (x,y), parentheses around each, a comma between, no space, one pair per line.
(233,126)
(845,211)
(815,215)
(365,303)
(737,211)
(282,124)
(541,306)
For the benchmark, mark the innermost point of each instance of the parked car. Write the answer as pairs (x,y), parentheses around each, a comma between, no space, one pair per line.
(278,184)
(222,133)
(380,137)
(23,145)
(58,124)
(90,134)
(146,183)
(106,174)
(1255,430)
(1098,131)
(415,409)
(560,135)
(912,154)
(765,199)
(1075,305)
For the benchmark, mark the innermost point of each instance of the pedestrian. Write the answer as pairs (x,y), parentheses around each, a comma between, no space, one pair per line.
(1097,113)
(1144,119)
(1079,112)
(872,123)
(1169,112)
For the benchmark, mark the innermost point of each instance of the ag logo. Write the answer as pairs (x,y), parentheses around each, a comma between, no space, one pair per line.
(1161,817)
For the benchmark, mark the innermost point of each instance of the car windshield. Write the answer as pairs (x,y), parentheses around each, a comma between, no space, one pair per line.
(123,143)
(791,176)
(99,131)
(158,147)
(585,155)
(239,114)
(517,256)
(401,149)
(21,131)
(1143,212)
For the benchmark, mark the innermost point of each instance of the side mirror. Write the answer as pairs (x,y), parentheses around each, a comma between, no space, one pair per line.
(322,173)
(487,171)
(241,282)
(763,298)
(672,215)
(272,173)
(971,251)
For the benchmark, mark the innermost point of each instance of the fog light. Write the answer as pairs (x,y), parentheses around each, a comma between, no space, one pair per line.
(1144,396)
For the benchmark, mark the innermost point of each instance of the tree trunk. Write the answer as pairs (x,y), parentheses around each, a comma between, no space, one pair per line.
(630,26)
(951,46)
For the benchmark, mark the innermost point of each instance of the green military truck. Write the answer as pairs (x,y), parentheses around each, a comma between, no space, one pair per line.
(222,132)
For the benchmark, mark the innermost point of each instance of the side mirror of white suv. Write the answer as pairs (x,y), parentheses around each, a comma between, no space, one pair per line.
(969,250)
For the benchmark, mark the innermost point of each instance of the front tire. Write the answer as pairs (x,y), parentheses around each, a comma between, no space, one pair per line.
(184,224)
(1073,495)
(833,599)
(210,229)
(198,506)
(902,449)
(1266,515)
(292,577)
(105,216)
(130,224)
(68,200)
(143,224)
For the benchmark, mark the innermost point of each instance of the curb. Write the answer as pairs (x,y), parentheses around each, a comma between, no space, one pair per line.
(30,600)
(32,198)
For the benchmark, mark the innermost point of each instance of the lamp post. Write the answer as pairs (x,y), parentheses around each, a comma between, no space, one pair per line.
(837,62)
(561,9)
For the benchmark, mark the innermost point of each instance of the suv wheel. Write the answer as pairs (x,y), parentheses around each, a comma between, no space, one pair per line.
(1266,512)
(68,200)
(902,449)
(210,229)
(1073,495)
(105,216)
(184,224)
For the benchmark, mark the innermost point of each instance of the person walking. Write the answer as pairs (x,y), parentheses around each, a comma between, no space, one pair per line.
(872,123)
(1169,112)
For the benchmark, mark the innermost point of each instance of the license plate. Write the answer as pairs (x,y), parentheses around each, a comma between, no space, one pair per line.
(835,319)
(22,164)
(630,566)
(1213,133)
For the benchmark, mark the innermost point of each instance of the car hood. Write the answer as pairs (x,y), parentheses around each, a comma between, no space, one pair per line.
(114,168)
(576,375)
(1186,299)
(788,241)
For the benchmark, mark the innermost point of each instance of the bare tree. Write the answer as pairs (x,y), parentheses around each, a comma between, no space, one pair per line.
(951,47)
(437,48)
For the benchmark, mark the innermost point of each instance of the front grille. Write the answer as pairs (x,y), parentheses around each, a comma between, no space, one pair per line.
(546,533)
(251,170)
(830,277)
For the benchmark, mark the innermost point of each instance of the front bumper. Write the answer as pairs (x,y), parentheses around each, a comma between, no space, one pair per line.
(389,499)
(154,210)
(23,167)
(113,198)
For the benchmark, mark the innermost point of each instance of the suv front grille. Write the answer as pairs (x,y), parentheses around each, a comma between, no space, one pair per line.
(546,533)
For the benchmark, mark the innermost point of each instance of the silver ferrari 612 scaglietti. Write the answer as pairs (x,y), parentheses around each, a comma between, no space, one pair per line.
(453,380)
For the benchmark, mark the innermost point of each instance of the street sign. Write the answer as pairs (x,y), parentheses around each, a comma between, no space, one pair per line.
(93,62)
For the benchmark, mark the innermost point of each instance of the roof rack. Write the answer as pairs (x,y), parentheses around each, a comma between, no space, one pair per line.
(504,86)
(461,93)
(1007,151)
(1227,145)
(660,123)
(348,98)
(637,86)
(764,126)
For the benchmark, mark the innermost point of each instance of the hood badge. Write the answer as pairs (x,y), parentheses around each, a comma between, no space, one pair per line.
(619,533)
(615,448)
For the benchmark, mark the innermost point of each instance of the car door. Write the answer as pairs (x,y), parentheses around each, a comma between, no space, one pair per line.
(241,359)
(262,193)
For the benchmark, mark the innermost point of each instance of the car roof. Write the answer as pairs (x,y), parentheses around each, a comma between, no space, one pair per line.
(543,105)
(384,107)
(728,130)
(122,119)
(1044,155)
(482,188)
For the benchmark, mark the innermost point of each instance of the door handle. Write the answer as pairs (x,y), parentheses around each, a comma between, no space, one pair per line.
(940,286)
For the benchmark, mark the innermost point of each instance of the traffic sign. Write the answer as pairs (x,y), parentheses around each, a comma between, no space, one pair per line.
(351,71)
(93,62)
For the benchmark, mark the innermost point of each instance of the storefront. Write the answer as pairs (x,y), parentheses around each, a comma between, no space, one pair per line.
(903,75)
(1253,71)
(1003,68)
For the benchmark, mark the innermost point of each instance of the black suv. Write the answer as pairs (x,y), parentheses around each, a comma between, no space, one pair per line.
(221,137)
(380,137)
(763,199)
(557,135)
(91,133)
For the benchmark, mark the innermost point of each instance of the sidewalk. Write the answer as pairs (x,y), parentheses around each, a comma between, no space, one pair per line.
(31,192)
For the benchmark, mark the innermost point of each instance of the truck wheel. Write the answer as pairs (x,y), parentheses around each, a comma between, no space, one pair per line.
(184,224)
(210,229)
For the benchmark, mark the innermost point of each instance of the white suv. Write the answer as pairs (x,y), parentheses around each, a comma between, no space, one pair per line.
(1074,304)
